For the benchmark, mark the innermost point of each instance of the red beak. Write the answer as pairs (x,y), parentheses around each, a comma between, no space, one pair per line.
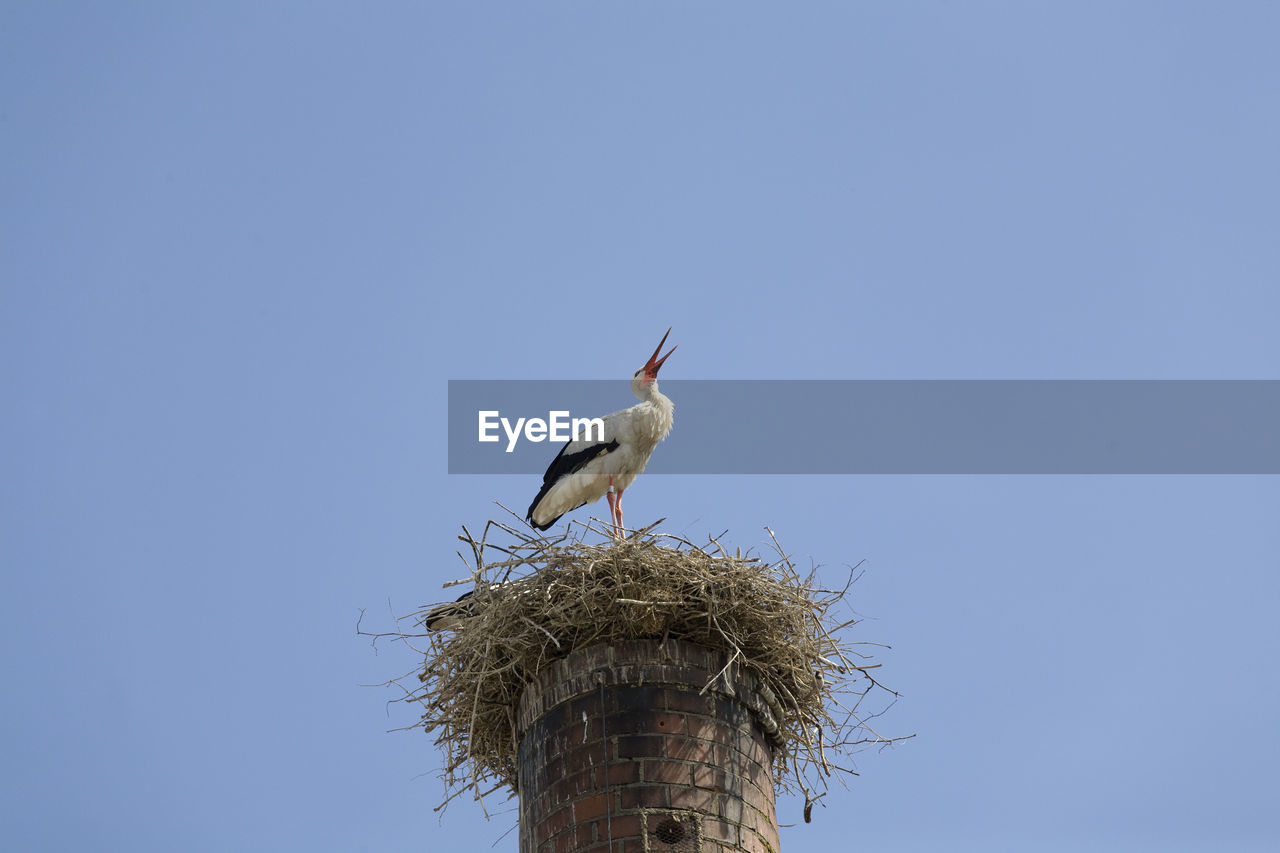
(651,368)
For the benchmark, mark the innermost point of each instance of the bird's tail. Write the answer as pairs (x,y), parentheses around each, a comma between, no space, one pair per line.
(448,617)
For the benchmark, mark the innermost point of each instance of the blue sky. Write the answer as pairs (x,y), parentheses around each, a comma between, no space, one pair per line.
(246,245)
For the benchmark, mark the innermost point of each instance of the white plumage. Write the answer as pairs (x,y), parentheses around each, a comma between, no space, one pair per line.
(585,470)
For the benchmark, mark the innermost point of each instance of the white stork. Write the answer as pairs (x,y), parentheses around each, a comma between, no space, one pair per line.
(453,615)
(586,469)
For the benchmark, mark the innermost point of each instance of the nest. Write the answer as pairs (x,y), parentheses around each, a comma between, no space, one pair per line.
(543,598)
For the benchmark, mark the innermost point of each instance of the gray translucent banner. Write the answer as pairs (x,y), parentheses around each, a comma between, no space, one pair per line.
(897,427)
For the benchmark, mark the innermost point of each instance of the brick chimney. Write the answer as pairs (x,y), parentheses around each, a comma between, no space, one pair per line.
(646,746)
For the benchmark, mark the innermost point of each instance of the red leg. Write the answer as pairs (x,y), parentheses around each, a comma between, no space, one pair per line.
(612,497)
(617,514)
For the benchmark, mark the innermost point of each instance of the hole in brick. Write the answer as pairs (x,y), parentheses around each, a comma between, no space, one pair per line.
(670,831)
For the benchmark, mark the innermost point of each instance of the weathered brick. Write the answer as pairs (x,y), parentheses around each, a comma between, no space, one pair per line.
(692,702)
(638,746)
(583,756)
(565,842)
(584,834)
(622,826)
(730,809)
(645,796)
(755,841)
(556,822)
(607,733)
(633,698)
(591,807)
(709,728)
(667,771)
(639,721)
(708,776)
(623,772)
(720,830)
(668,723)
(731,712)
(692,749)
(574,785)
(693,799)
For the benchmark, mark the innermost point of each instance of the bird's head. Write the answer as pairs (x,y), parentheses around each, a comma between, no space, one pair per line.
(647,376)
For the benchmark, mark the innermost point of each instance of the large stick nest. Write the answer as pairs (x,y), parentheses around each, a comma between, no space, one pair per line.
(543,598)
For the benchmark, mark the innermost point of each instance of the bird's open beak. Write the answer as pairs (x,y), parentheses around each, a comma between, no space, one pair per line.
(651,368)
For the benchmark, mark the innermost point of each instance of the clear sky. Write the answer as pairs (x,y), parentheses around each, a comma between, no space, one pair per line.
(245,245)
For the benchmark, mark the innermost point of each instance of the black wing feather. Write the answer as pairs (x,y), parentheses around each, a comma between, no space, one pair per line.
(439,618)
(563,465)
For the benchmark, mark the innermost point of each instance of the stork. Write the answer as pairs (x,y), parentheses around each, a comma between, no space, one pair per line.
(586,469)
(451,616)
(454,614)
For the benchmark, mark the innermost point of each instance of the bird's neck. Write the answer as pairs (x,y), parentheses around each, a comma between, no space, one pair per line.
(662,408)
(649,393)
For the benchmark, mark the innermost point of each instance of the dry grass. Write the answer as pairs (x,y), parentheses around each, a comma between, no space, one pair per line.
(542,598)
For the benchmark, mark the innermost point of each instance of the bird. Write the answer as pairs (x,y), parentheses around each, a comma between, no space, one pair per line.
(453,615)
(606,464)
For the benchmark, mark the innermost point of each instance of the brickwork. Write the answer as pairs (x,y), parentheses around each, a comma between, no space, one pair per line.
(621,753)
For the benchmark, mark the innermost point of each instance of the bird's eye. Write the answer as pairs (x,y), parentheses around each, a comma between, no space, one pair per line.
(637,373)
